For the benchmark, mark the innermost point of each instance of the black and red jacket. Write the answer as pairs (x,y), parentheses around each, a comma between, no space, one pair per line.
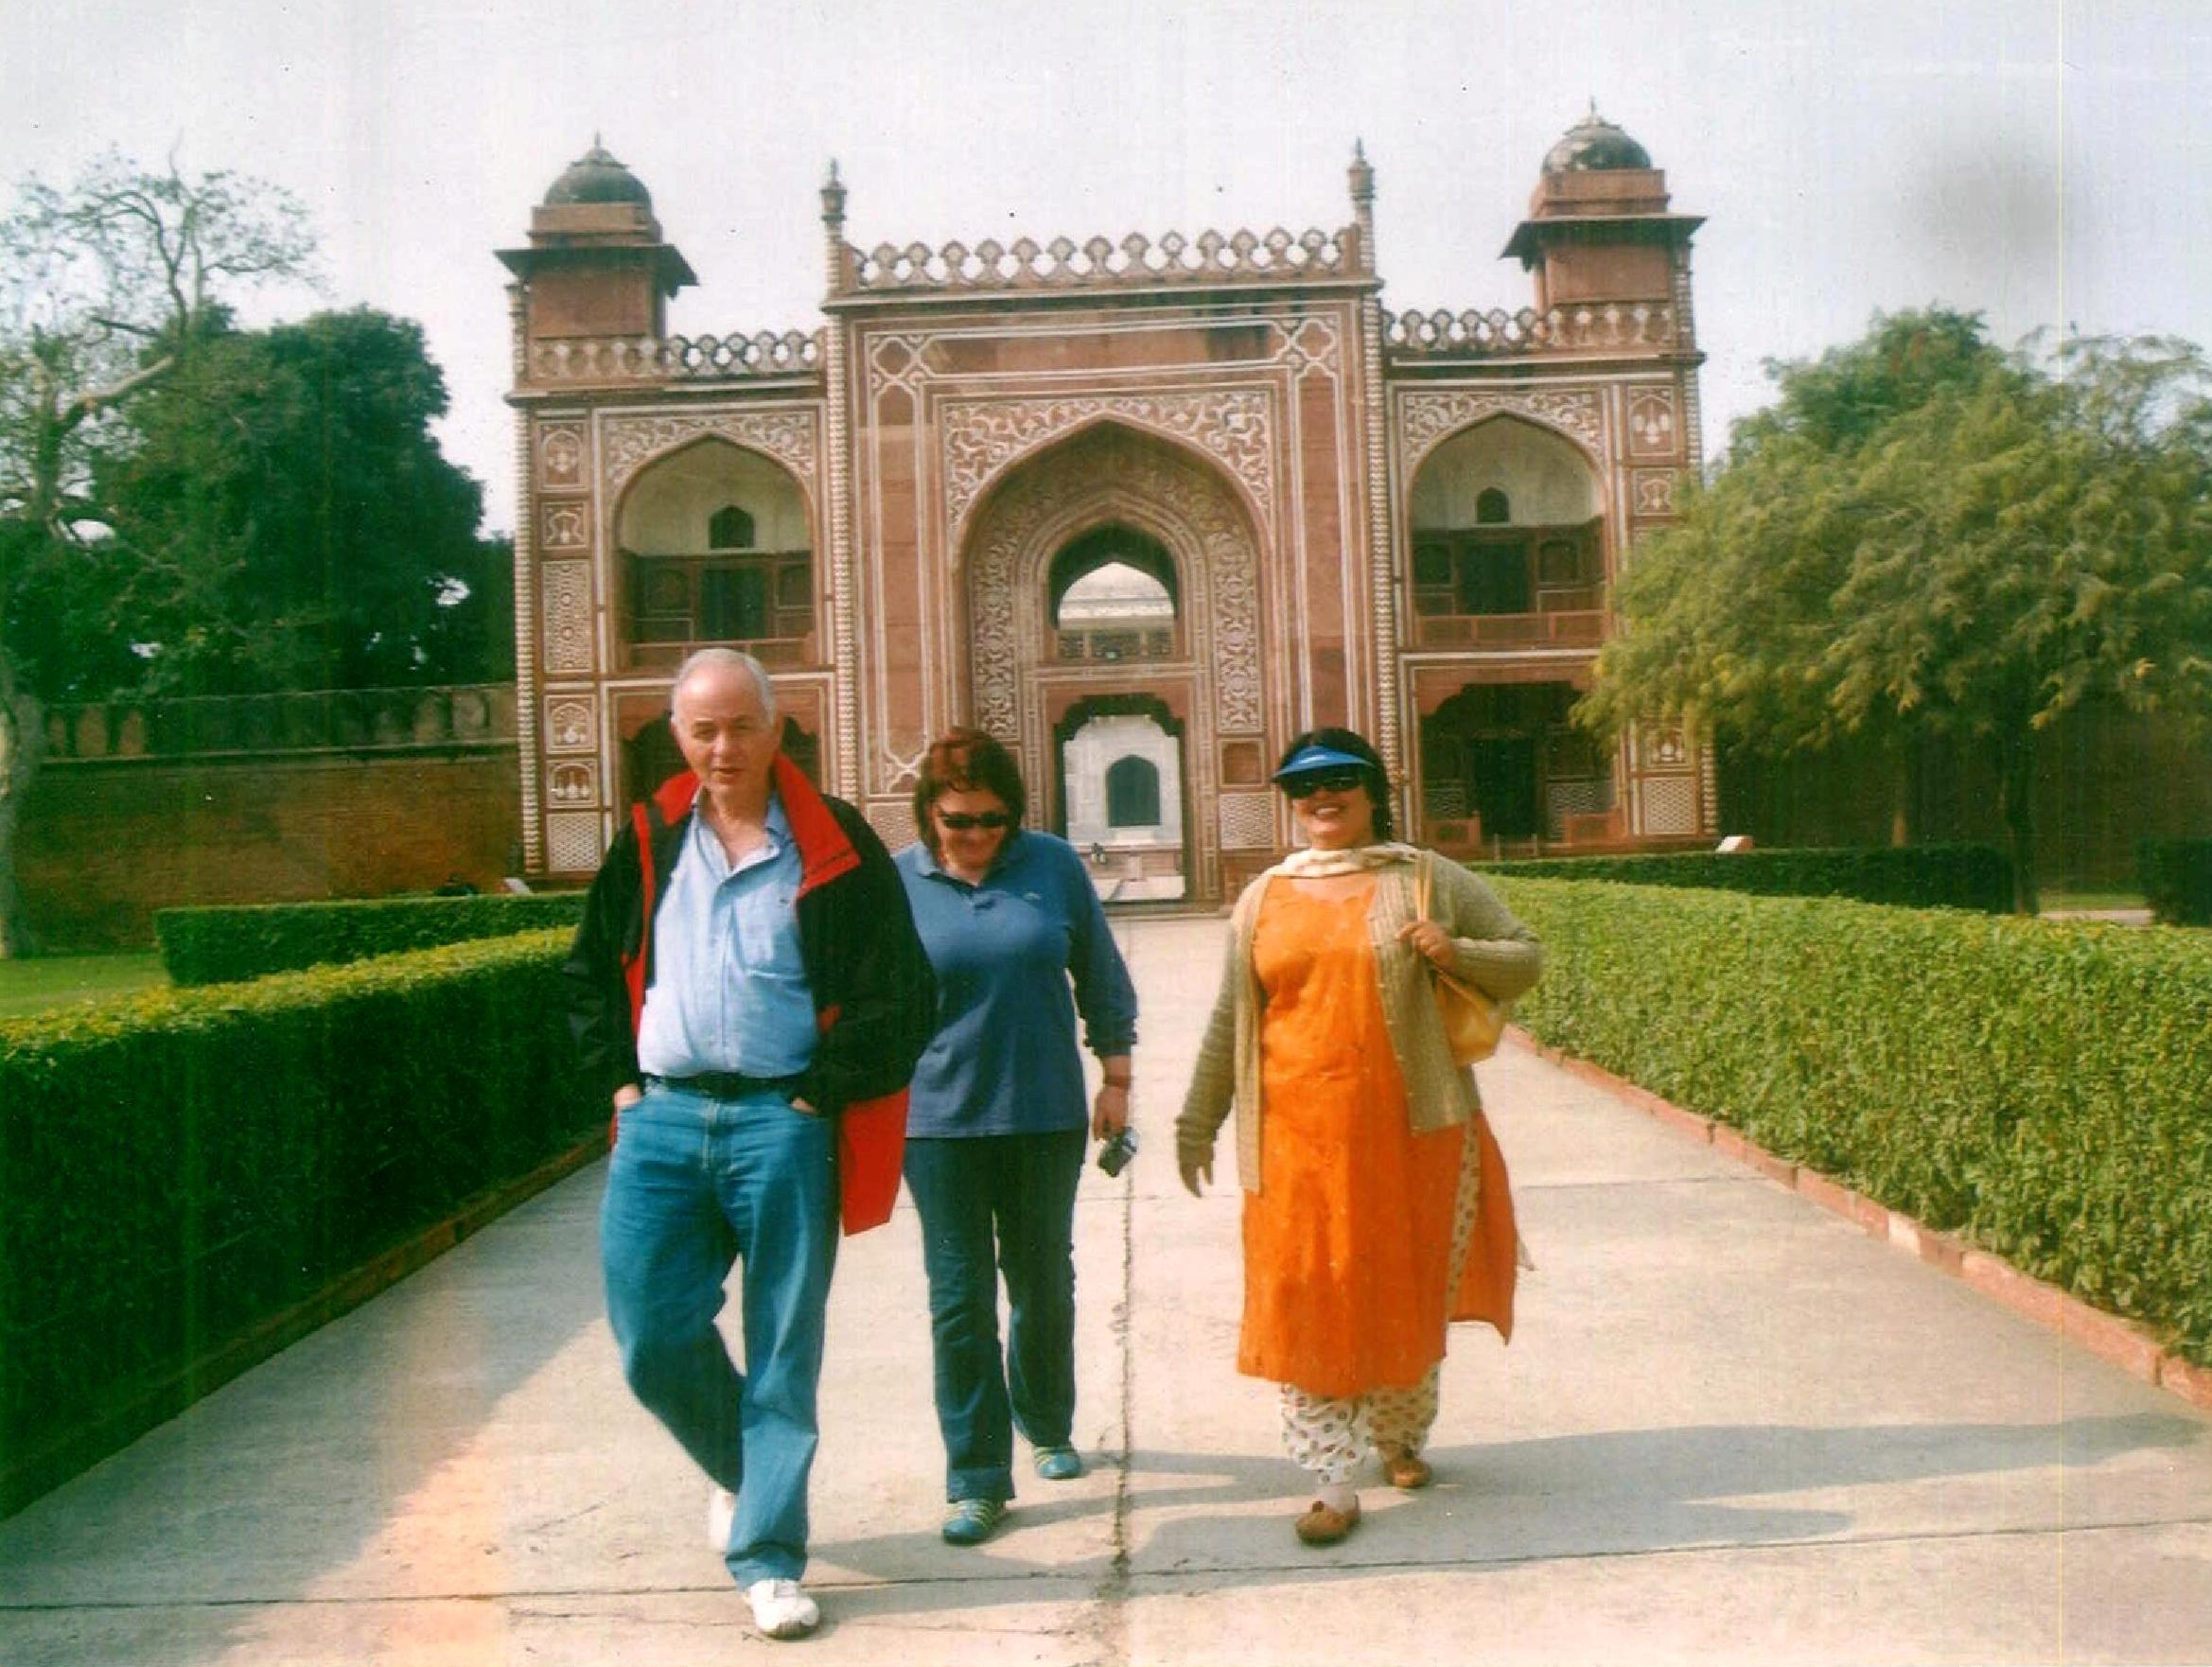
(875,998)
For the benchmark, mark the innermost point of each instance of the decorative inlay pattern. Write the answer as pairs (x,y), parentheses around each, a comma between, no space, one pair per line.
(560,458)
(565,527)
(1652,491)
(1247,821)
(1310,346)
(1666,749)
(1426,418)
(893,822)
(568,616)
(1651,422)
(787,436)
(572,785)
(572,841)
(982,437)
(569,723)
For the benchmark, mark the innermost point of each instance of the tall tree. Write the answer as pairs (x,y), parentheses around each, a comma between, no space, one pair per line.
(1926,537)
(284,519)
(106,289)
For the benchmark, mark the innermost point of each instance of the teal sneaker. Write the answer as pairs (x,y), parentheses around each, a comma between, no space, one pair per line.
(1059,1464)
(971,1521)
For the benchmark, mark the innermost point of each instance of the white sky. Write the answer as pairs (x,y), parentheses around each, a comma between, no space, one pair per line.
(2042,160)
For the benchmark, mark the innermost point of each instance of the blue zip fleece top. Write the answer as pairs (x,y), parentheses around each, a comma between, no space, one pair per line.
(1004,1058)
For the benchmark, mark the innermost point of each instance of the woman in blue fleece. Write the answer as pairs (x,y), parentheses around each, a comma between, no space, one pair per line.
(998,1127)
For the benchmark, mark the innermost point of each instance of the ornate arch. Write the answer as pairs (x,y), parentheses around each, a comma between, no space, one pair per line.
(1159,490)
(787,438)
(984,441)
(1427,418)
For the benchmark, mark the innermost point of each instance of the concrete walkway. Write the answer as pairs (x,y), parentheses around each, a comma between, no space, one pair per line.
(1732,1428)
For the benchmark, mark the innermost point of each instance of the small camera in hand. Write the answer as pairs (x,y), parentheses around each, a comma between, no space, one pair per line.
(1114,1156)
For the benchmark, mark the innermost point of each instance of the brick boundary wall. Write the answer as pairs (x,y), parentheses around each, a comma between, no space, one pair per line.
(2132,1347)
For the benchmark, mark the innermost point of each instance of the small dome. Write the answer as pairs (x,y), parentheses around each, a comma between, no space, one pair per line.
(1594,144)
(597,177)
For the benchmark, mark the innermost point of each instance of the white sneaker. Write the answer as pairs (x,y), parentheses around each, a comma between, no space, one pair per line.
(781,1609)
(721,1512)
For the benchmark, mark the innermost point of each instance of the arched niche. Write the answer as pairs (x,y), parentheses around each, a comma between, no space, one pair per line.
(1508,519)
(1112,596)
(713,545)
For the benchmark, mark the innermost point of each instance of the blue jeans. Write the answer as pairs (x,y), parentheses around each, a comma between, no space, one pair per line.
(1023,1188)
(693,1185)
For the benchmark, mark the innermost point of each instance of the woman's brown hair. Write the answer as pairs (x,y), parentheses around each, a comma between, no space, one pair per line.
(966,760)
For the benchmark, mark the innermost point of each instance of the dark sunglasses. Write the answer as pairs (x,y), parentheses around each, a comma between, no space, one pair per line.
(1312,782)
(960,822)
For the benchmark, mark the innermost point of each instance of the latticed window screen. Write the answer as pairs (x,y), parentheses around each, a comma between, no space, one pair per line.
(1132,792)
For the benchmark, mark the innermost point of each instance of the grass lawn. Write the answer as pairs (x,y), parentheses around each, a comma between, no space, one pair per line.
(49,981)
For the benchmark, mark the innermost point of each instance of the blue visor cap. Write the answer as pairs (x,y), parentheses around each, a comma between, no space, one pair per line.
(1308,759)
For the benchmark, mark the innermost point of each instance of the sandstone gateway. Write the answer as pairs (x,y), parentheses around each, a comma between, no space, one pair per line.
(1142,508)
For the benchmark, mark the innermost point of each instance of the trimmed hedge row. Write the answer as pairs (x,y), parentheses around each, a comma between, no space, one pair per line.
(1924,876)
(227,944)
(2043,1088)
(2176,877)
(177,1167)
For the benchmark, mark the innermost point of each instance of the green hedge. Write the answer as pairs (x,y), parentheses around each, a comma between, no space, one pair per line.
(222,945)
(177,1167)
(2176,877)
(2043,1088)
(1925,876)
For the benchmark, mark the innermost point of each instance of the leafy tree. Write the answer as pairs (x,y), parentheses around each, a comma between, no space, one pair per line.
(106,289)
(284,520)
(1926,537)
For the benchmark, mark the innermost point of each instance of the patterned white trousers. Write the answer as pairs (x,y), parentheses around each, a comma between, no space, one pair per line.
(1329,1435)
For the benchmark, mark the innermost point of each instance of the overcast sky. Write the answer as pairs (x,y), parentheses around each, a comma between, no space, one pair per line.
(2044,161)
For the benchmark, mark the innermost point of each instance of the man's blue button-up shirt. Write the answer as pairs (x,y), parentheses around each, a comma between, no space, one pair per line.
(729,989)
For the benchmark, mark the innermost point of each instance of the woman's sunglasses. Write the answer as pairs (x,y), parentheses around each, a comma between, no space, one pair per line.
(1312,782)
(960,822)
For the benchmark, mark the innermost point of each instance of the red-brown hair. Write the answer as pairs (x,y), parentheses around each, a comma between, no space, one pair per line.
(966,760)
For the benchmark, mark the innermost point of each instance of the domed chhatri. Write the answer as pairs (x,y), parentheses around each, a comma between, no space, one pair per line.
(1594,143)
(597,177)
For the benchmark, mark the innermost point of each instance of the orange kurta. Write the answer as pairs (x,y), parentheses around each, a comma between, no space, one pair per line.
(1347,1244)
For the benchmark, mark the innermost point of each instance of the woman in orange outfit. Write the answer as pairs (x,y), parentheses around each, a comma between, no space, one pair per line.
(1376,1202)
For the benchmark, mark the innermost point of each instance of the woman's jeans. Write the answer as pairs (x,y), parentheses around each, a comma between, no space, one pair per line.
(1023,1188)
(695,1183)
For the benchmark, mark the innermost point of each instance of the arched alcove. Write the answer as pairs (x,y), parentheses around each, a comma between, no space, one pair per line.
(1507,522)
(713,545)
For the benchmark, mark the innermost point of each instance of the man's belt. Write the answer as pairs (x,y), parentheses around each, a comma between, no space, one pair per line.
(725,1084)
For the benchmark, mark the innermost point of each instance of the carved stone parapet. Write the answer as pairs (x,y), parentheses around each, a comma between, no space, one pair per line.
(1275,256)
(1475,334)
(676,359)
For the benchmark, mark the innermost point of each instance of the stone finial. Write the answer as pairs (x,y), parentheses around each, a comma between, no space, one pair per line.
(834,198)
(1363,176)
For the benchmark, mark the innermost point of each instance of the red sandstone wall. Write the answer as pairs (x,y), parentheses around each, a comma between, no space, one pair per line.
(104,844)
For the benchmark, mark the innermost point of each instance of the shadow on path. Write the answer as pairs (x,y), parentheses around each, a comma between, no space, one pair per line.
(1609,1494)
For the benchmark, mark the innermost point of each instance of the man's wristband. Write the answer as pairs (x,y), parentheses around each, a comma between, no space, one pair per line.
(1120,1082)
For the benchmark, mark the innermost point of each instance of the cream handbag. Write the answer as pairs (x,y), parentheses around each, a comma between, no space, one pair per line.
(1472,1022)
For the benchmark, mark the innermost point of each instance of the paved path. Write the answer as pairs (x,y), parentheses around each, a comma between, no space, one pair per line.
(1732,1428)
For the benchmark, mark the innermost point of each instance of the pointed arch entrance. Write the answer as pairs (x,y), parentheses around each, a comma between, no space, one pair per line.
(1114,496)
